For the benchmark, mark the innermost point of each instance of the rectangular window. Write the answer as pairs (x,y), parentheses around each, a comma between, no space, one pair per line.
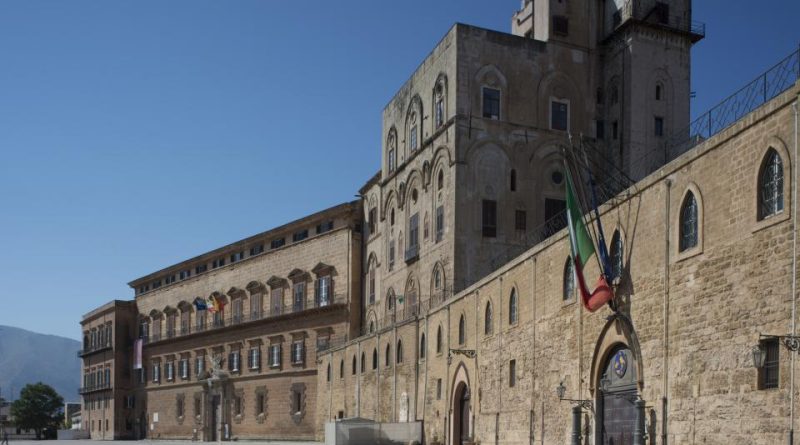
(219,262)
(439,223)
(255,250)
(170,371)
(275,356)
(254,358)
(391,254)
(156,284)
(170,279)
(325,227)
(512,373)
(199,365)
(615,130)
(233,361)
(372,286)
(662,13)
(768,374)
(439,115)
(489,218)
(300,236)
(297,401)
(560,25)
(413,137)
(391,160)
(276,301)
(299,296)
(491,103)
(520,220)
(373,220)
(323,291)
(298,352)
(413,231)
(438,389)
(658,124)
(237,406)
(185,369)
(559,115)
(185,274)
(156,372)
(276,243)
(201,268)
(600,130)
(238,256)
(260,403)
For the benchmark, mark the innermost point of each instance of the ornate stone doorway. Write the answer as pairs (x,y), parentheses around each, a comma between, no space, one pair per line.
(616,408)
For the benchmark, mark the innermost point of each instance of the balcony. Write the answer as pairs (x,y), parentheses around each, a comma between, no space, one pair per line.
(97,348)
(93,388)
(243,319)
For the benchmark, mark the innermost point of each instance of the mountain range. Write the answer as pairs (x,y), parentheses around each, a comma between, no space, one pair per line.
(30,357)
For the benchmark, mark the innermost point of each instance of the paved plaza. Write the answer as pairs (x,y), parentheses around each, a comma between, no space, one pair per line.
(154,442)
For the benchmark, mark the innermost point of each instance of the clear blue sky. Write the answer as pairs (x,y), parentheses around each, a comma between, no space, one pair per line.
(134,135)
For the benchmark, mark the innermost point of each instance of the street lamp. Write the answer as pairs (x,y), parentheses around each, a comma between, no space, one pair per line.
(577,412)
(759,356)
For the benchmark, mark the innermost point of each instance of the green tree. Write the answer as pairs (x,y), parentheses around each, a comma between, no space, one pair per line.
(37,408)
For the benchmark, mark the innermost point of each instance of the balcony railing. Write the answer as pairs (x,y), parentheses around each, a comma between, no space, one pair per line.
(238,319)
(96,348)
(412,253)
(93,388)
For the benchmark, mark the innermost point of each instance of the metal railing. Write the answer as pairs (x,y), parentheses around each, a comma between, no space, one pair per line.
(238,319)
(761,90)
(657,13)
(96,348)
(96,387)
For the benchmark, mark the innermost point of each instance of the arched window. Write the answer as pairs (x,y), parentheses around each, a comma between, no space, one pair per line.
(354,365)
(688,224)
(513,185)
(363,362)
(617,252)
(487,319)
(399,351)
(770,186)
(569,279)
(391,150)
(341,369)
(422,346)
(462,331)
(438,102)
(659,91)
(388,356)
(439,340)
(375,358)
(513,312)
(440,180)
(371,326)
(329,372)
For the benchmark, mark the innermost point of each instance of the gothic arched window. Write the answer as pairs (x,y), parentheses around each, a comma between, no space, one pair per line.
(688,223)
(770,186)
(462,331)
(487,319)
(513,310)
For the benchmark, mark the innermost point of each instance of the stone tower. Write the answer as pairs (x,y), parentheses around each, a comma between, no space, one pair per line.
(640,68)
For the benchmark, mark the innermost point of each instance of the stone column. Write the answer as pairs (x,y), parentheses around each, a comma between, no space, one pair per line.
(638,429)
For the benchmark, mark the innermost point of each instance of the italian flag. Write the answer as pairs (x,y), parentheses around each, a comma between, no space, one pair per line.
(581,249)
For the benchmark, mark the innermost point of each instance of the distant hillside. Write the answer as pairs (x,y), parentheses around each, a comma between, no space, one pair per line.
(28,357)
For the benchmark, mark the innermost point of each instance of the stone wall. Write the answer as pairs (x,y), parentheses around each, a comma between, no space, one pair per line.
(689,318)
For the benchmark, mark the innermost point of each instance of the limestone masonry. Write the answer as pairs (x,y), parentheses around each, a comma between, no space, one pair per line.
(445,295)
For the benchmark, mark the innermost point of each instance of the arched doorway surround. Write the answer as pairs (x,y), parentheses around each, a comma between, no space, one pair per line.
(461,417)
(616,382)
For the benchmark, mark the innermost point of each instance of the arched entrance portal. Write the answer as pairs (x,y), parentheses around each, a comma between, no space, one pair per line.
(461,414)
(616,397)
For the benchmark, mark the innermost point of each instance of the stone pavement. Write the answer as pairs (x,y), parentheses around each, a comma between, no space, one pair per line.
(153,442)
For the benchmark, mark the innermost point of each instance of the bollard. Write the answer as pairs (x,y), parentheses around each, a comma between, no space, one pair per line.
(577,413)
(638,429)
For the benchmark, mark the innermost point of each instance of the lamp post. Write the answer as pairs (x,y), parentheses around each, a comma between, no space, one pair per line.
(577,412)
(791,343)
